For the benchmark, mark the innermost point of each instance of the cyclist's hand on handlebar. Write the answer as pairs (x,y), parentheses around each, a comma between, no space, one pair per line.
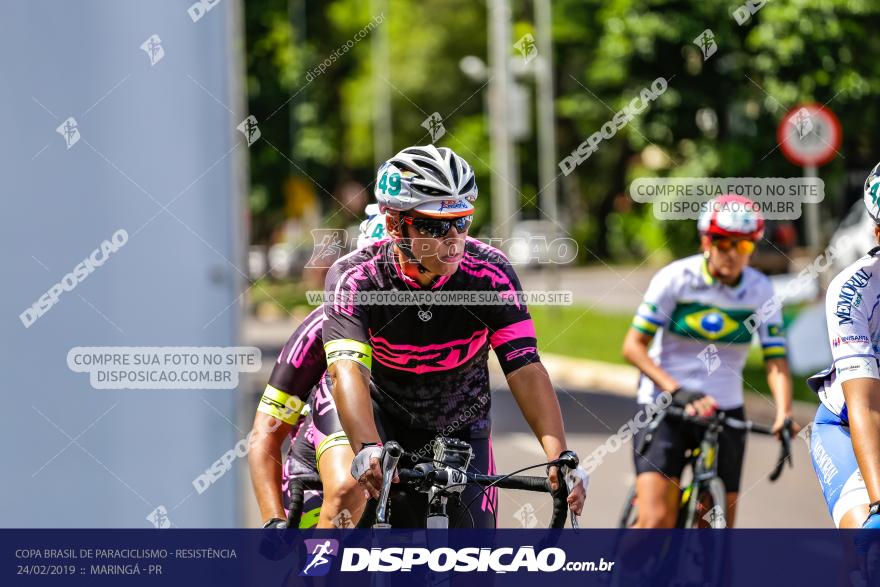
(367,469)
(578,479)
(695,403)
(781,419)
(371,480)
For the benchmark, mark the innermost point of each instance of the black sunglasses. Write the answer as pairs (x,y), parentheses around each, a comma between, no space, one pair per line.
(438,228)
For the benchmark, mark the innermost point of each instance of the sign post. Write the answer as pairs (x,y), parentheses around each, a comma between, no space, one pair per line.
(809,135)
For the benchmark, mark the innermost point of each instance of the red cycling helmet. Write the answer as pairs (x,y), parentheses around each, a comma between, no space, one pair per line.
(732,216)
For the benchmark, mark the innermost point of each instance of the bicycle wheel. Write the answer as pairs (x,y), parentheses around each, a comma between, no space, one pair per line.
(702,556)
(630,513)
(711,505)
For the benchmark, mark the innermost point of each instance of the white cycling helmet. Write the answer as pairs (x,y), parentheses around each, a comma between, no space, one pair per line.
(432,181)
(373,228)
(872,194)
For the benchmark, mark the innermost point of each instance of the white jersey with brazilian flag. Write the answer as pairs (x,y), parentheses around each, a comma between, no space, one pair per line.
(703,328)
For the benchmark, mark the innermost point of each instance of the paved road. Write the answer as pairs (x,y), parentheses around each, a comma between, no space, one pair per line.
(792,502)
(591,417)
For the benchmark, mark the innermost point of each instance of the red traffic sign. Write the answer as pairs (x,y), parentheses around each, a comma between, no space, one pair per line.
(809,134)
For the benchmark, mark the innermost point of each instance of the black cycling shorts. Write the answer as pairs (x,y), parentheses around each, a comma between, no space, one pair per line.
(673,437)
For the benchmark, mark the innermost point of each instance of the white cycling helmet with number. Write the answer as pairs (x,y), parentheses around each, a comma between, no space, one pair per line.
(373,228)
(432,181)
(872,194)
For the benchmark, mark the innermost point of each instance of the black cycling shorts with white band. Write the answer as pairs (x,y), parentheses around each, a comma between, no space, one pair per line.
(300,462)
(429,363)
(674,436)
(318,431)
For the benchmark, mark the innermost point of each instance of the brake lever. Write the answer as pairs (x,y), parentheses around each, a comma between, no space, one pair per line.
(785,451)
(565,466)
(649,433)
(786,440)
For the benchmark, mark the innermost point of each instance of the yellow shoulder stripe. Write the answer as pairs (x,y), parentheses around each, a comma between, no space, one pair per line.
(346,348)
(280,405)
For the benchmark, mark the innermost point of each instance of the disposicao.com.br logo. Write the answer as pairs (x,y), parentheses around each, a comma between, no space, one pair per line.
(439,560)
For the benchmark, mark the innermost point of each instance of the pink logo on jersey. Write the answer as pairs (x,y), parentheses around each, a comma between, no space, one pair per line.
(432,357)
(523,352)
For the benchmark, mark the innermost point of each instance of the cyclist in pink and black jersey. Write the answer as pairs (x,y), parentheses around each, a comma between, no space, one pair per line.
(411,372)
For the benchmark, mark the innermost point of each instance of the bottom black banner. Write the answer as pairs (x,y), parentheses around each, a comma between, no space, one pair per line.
(434,557)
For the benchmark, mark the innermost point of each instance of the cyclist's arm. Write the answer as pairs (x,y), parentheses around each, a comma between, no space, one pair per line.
(297,370)
(534,394)
(635,350)
(779,381)
(265,465)
(653,314)
(351,391)
(773,346)
(349,355)
(533,391)
(863,407)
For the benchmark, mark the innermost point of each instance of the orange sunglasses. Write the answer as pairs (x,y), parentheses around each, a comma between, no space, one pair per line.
(742,246)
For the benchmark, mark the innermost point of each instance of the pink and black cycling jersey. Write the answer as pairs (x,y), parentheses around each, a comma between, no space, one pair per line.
(428,362)
(301,362)
(297,371)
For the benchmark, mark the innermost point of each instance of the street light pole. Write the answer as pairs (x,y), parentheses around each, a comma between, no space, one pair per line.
(499,131)
(547,171)
(379,52)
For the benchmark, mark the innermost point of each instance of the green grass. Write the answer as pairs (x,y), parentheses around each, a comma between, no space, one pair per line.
(288,294)
(572,331)
(575,331)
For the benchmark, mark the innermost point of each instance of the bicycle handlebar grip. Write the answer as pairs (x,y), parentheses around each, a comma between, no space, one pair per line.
(295,491)
(784,451)
(560,503)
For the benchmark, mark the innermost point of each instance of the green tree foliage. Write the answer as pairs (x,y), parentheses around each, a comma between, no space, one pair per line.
(718,117)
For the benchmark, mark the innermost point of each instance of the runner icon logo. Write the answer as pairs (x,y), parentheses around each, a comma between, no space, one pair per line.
(320,554)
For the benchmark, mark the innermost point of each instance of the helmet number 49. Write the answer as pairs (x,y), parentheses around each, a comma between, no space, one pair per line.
(390,185)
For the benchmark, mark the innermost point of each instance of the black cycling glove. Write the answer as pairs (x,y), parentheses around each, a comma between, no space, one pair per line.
(682,397)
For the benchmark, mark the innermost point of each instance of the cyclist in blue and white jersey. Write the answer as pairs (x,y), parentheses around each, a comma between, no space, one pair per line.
(845,437)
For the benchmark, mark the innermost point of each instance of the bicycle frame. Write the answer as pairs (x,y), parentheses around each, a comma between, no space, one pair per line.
(704,465)
(703,460)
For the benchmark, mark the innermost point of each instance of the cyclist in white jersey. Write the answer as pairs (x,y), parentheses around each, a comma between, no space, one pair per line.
(700,313)
(845,437)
